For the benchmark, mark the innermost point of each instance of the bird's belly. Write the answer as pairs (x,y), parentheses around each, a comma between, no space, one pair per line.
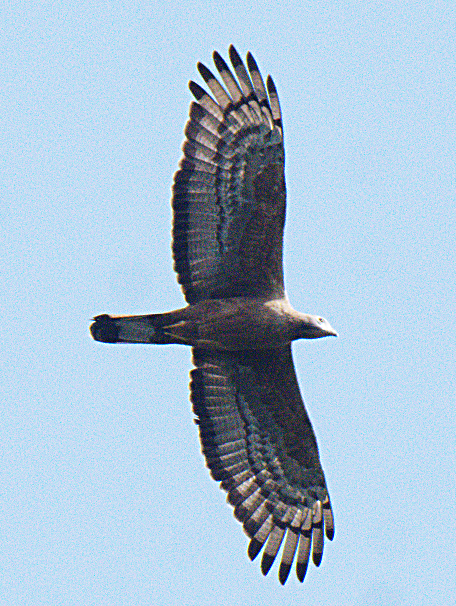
(247,327)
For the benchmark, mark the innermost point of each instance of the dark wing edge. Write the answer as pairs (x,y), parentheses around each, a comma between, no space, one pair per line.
(229,192)
(258,442)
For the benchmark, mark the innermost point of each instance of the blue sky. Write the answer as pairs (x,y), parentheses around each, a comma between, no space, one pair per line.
(105,496)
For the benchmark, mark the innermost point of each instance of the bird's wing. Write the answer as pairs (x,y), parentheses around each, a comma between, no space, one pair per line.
(229,192)
(259,443)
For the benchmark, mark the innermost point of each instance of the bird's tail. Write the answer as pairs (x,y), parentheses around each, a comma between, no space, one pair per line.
(136,329)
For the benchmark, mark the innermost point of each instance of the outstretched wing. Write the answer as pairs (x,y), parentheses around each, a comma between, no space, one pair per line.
(229,193)
(259,443)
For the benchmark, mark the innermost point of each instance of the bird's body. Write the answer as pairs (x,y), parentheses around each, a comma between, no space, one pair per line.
(234,324)
(229,212)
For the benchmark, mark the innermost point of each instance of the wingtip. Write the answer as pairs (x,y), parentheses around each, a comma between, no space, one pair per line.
(284,571)
(270,84)
(234,56)
(317,557)
(266,563)
(301,570)
(302,562)
(197,91)
(219,61)
(251,63)
(205,72)
(254,549)
(328,518)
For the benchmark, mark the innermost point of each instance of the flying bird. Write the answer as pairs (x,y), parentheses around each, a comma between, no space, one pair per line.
(228,217)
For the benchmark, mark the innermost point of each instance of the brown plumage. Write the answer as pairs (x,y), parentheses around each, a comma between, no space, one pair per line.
(229,212)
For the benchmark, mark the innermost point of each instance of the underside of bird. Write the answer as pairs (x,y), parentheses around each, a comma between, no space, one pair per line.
(228,204)
(232,324)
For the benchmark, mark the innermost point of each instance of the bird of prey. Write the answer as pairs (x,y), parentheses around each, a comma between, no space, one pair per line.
(228,219)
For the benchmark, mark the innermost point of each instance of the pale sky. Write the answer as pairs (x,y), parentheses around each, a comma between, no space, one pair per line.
(105,496)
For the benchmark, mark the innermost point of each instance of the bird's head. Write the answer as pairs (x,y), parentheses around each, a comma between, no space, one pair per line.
(314,327)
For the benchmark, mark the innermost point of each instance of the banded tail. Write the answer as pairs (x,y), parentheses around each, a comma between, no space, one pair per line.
(136,329)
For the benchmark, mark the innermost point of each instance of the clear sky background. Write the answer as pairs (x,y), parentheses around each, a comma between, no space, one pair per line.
(105,499)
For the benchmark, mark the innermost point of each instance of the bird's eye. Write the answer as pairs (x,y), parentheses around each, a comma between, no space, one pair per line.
(321,320)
